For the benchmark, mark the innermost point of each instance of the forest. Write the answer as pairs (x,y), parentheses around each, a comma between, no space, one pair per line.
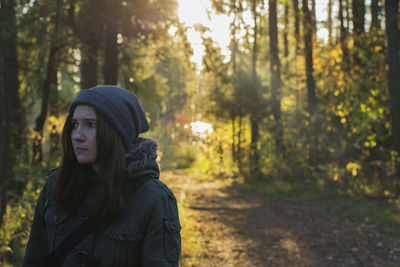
(296,103)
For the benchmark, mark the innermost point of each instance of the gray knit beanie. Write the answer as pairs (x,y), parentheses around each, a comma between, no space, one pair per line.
(120,107)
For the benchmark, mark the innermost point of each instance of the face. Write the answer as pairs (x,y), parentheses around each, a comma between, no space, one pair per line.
(83,134)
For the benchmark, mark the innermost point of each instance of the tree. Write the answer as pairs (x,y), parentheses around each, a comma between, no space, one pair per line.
(296,24)
(9,102)
(343,38)
(392,35)
(358,9)
(90,34)
(285,36)
(329,23)
(358,17)
(375,14)
(49,82)
(111,42)
(275,82)
(310,81)
(255,96)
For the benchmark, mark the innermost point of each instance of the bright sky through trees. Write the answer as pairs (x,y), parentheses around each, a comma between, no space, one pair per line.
(192,12)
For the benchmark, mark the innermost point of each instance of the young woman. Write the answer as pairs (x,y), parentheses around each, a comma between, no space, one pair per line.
(104,206)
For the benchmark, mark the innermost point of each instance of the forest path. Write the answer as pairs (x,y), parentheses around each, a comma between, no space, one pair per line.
(241,227)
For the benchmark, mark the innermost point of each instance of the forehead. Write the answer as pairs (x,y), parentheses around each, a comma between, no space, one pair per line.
(85,112)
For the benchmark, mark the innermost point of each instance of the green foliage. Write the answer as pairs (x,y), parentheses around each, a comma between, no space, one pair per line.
(14,232)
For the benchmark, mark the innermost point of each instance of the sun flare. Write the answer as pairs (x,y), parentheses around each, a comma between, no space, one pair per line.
(192,12)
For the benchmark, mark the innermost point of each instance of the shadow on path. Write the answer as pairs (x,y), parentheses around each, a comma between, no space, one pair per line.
(245,228)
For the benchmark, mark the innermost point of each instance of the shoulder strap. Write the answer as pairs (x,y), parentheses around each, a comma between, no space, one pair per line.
(56,257)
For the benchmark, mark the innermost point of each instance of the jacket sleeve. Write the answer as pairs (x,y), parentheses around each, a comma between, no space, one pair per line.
(37,247)
(162,242)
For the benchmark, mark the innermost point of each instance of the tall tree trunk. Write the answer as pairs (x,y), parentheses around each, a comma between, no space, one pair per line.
(375,12)
(348,17)
(5,133)
(285,33)
(329,22)
(255,112)
(9,86)
(239,143)
(314,16)
(49,81)
(54,138)
(296,11)
(111,44)
(392,33)
(275,81)
(310,82)
(296,24)
(358,17)
(233,147)
(343,39)
(358,9)
(90,37)
(111,55)
(234,48)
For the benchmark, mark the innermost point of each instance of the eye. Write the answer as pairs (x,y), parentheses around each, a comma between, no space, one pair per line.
(92,124)
(74,124)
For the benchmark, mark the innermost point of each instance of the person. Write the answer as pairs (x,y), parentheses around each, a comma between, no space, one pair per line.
(105,205)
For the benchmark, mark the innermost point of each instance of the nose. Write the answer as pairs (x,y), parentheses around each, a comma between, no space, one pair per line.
(77,134)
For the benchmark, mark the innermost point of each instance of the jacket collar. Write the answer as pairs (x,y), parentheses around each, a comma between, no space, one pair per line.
(140,159)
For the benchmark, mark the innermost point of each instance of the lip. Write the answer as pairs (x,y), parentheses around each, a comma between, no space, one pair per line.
(80,149)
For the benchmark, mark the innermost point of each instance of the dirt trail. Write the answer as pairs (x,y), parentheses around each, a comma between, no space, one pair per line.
(243,228)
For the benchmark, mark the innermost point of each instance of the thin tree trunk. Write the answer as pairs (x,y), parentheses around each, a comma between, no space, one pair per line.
(111,44)
(392,33)
(90,37)
(5,126)
(9,86)
(375,12)
(343,39)
(239,143)
(54,138)
(296,11)
(296,24)
(310,82)
(275,81)
(348,17)
(358,17)
(47,84)
(111,55)
(358,9)
(285,34)
(234,47)
(314,16)
(234,155)
(329,22)
(255,113)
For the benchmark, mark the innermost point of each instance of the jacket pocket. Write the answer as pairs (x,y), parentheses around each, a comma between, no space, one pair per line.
(126,245)
(172,239)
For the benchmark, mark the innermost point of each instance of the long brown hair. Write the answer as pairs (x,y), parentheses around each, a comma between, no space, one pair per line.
(74,180)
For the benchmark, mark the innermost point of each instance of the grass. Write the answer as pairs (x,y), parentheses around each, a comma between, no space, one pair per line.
(194,251)
(385,215)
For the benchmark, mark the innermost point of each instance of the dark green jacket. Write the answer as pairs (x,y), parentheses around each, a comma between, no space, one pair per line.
(146,234)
